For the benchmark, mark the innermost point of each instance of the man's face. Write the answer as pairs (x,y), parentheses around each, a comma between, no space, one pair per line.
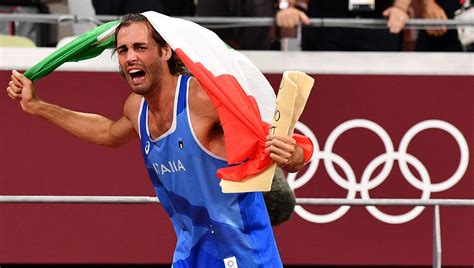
(139,58)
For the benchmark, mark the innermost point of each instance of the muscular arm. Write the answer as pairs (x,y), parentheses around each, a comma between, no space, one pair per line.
(285,152)
(205,120)
(92,128)
(89,127)
(281,149)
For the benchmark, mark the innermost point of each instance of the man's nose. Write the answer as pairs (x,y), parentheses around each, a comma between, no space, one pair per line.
(131,57)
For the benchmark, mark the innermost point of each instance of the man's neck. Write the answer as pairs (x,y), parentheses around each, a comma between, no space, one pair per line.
(163,96)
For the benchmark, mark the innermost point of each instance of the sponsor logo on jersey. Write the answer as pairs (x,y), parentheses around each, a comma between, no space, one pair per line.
(147,147)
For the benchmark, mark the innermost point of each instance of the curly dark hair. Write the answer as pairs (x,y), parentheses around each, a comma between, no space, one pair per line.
(175,64)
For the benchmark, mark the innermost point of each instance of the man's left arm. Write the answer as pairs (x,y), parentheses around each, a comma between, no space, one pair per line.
(286,152)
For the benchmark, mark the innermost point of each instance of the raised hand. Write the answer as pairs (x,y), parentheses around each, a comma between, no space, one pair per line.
(22,90)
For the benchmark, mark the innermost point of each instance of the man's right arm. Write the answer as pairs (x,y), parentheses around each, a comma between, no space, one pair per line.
(89,127)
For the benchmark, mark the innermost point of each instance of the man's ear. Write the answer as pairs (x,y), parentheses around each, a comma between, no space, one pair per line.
(166,52)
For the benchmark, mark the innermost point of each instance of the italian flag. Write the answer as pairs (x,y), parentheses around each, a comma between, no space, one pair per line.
(244,99)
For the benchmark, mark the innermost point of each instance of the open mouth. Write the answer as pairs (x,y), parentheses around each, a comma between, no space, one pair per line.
(137,75)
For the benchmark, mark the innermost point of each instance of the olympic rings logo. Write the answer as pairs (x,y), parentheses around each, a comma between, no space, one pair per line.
(368,183)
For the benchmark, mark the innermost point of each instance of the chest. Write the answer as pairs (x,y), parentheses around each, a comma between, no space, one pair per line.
(206,132)
(160,123)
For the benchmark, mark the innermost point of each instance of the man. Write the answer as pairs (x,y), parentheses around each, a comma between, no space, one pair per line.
(243,38)
(438,38)
(295,12)
(183,146)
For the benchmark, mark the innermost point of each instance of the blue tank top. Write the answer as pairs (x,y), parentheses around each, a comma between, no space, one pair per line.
(213,229)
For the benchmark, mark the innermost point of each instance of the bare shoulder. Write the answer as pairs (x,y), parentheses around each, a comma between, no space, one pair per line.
(199,100)
(132,107)
(205,120)
(198,92)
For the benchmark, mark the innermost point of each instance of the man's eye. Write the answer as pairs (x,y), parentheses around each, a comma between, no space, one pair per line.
(121,51)
(141,48)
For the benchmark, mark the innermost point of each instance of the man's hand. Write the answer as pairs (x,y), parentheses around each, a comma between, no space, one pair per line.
(431,10)
(396,19)
(291,17)
(22,90)
(286,153)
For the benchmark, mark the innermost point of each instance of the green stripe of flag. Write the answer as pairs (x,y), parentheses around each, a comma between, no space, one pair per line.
(83,47)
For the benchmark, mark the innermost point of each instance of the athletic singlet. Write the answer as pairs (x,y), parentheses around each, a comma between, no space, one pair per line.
(213,229)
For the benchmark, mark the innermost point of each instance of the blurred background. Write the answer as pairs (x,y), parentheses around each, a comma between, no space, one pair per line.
(391,115)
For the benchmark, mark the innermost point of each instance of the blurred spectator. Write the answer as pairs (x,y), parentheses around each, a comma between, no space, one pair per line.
(121,7)
(245,38)
(81,9)
(180,8)
(438,38)
(347,39)
(37,32)
(466,33)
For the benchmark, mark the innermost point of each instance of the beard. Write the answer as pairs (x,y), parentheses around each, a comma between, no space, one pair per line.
(152,79)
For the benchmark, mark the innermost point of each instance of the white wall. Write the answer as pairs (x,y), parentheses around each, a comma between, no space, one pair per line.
(278,61)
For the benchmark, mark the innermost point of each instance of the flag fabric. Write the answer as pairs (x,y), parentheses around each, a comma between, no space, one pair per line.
(244,99)
(83,47)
